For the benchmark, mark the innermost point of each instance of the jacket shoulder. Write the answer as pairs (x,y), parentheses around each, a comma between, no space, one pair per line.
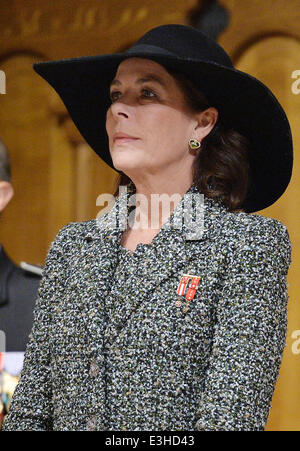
(74,230)
(254,232)
(71,235)
(253,224)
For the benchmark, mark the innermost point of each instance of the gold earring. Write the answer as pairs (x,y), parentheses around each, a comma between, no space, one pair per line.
(194,143)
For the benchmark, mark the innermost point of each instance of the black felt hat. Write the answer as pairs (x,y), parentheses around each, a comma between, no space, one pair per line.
(247,104)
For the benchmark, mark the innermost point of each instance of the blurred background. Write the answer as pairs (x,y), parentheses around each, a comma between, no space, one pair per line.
(57,178)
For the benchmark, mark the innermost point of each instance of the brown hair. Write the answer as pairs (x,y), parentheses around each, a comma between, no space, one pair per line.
(221,167)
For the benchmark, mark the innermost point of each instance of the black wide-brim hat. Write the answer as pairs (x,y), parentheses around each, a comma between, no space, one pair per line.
(247,105)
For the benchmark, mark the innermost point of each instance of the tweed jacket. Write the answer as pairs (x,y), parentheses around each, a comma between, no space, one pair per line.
(109,354)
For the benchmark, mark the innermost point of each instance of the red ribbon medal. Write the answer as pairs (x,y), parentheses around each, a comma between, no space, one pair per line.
(191,290)
(193,287)
(182,285)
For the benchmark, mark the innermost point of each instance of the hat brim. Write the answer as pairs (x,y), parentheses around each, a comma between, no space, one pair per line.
(247,104)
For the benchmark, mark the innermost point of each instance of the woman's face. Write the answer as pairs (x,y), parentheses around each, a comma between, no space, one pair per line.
(148,105)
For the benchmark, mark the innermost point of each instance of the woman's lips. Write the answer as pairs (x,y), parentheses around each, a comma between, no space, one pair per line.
(124,140)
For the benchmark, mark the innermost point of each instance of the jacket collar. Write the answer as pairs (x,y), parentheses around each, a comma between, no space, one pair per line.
(203,218)
(174,251)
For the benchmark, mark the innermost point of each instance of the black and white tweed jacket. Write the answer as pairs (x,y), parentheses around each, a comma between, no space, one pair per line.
(113,350)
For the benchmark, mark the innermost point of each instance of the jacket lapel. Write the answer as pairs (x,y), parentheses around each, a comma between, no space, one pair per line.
(178,244)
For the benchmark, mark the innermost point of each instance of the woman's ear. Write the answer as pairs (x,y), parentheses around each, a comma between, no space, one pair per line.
(206,121)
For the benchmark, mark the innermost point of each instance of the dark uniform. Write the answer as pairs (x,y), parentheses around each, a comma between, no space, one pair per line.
(18,293)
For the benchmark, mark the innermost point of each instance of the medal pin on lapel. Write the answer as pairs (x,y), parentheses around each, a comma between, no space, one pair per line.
(181,289)
(190,292)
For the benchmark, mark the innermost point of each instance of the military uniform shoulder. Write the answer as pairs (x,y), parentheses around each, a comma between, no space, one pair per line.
(8,266)
(30,268)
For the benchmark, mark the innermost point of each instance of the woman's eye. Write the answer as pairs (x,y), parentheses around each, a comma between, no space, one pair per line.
(112,95)
(146,93)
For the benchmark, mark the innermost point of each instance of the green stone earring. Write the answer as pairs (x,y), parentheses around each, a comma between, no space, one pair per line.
(194,143)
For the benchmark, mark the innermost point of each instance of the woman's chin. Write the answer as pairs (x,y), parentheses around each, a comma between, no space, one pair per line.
(124,163)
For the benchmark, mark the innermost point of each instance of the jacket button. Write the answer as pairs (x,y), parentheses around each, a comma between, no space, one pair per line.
(94,369)
(91,424)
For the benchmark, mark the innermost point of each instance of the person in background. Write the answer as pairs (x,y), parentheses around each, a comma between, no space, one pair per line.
(18,292)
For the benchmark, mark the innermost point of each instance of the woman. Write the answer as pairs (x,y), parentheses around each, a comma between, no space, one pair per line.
(178,325)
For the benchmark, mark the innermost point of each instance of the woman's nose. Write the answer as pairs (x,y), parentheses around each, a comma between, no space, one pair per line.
(120,109)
